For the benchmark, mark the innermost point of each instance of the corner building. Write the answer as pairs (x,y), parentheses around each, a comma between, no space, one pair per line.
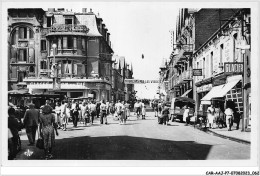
(83,53)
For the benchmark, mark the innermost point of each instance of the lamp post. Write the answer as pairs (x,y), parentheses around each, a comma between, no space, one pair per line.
(54,46)
(54,71)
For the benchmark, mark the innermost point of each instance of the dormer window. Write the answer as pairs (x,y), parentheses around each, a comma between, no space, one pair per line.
(68,21)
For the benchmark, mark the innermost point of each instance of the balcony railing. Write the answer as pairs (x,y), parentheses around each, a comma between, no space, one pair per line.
(69,28)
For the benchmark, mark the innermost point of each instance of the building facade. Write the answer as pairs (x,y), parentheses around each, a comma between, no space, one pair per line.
(121,71)
(193,28)
(77,43)
(225,63)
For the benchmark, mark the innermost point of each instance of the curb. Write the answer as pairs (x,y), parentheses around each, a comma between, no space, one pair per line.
(228,137)
(223,136)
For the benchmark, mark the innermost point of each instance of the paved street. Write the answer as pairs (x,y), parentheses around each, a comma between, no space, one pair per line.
(138,140)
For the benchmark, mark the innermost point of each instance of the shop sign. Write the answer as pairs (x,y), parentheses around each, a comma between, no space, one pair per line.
(217,82)
(233,67)
(204,88)
(197,72)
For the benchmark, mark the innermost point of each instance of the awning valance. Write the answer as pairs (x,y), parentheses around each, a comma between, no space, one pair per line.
(221,90)
(212,93)
(186,93)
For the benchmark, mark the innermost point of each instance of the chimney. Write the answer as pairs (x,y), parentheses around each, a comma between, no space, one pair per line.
(51,9)
(84,10)
(91,11)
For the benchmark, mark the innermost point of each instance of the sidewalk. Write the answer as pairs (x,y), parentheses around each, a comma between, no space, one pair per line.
(235,135)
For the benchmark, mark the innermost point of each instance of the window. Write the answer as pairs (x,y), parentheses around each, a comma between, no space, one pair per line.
(43,65)
(49,21)
(22,33)
(83,44)
(221,52)
(31,69)
(14,40)
(31,34)
(67,67)
(68,21)
(70,42)
(203,68)
(211,62)
(22,55)
(43,45)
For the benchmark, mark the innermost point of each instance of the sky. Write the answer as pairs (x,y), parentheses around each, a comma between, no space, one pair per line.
(138,28)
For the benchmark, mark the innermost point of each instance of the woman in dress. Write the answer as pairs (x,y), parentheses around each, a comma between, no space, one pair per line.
(47,126)
(210,115)
(58,114)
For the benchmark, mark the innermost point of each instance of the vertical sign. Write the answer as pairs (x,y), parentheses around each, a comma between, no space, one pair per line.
(56,83)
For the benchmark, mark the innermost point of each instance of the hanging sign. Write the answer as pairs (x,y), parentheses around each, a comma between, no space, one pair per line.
(197,72)
(56,84)
(137,81)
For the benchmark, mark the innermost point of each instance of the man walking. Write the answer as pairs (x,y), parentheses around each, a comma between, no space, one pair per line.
(31,120)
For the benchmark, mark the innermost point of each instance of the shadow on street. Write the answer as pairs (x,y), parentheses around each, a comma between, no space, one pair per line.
(123,148)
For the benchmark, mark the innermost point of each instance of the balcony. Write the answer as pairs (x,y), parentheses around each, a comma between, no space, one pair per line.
(187,75)
(68,29)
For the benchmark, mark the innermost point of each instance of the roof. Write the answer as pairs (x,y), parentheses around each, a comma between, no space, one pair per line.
(120,60)
(90,21)
(163,64)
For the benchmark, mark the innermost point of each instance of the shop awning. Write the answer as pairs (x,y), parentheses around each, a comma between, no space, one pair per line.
(227,87)
(186,93)
(212,93)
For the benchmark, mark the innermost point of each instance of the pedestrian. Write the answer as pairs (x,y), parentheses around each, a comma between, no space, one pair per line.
(165,115)
(103,112)
(185,114)
(75,115)
(155,106)
(137,107)
(210,115)
(68,112)
(160,107)
(107,104)
(112,109)
(64,115)
(92,109)
(84,111)
(58,114)
(47,127)
(119,111)
(31,120)
(80,113)
(143,110)
(98,108)
(127,109)
(237,117)
(229,117)
(14,126)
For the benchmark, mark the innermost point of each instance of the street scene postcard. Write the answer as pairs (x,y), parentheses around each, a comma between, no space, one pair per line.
(153,84)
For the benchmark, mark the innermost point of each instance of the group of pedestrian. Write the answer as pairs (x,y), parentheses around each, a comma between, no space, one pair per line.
(34,120)
(216,116)
(140,109)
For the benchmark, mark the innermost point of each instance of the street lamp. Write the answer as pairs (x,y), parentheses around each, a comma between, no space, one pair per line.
(54,46)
